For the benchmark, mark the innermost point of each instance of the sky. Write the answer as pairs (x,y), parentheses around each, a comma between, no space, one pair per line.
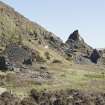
(62,17)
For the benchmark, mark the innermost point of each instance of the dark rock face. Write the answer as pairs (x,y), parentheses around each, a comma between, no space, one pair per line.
(95,56)
(3,65)
(18,54)
(75,35)
(28,61)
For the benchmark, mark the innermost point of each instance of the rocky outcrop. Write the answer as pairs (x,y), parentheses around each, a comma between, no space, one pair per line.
(18,54)
(76,43)
(79,50)
(95,55)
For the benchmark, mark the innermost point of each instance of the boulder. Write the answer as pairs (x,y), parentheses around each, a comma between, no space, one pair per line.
(80,58)
(95,55)
(18,54)
(28,61)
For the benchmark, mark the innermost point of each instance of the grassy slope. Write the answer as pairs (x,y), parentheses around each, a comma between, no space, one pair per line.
(68,76)
(80,77)
(16,29)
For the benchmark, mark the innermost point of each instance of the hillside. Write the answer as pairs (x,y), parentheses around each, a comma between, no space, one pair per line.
(32,58)
(15,28)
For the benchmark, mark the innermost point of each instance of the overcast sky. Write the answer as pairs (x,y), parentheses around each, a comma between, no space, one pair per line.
(64,16)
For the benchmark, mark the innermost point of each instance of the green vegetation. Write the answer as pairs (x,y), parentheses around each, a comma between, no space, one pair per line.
(64,77)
